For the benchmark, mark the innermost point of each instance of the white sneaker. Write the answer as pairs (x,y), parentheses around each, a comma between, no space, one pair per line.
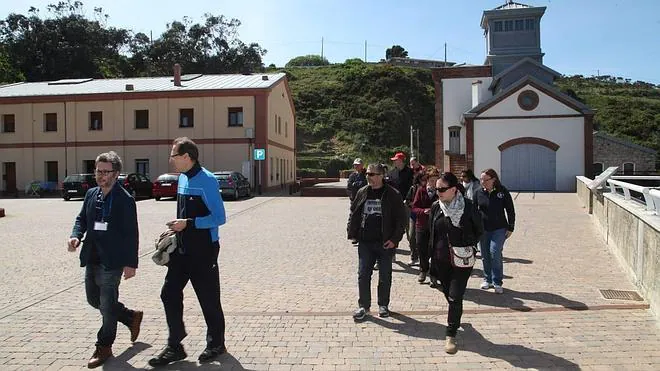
(498,289)
(485,285)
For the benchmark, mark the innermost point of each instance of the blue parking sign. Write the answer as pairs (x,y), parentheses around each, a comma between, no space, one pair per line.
(259,154)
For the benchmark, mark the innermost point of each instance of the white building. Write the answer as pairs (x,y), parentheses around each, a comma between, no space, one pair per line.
(508,115)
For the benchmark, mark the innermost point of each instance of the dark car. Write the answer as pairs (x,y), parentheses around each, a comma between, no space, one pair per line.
(138,185)
(165,185)
(76,185)
(233,184)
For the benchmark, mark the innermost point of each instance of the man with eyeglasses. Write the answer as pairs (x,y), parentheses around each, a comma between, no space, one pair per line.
(200,212)
(376,220)
(108,221)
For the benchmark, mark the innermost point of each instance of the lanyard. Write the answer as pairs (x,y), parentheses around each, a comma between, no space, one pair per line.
(109,202)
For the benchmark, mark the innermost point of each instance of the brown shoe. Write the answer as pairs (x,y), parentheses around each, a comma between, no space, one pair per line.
(101,354)
(135,325)
(450,345)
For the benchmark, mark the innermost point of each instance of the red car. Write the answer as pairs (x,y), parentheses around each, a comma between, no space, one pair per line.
(165,185)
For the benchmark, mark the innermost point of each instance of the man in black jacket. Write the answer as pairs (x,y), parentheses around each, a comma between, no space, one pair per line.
(377,221)
(108,221)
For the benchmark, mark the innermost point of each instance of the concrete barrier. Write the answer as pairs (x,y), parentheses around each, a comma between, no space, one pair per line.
(632,233)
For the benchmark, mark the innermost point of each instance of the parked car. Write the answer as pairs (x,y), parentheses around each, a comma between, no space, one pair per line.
(138,185)
(76,185)
(165,185)
(233,184)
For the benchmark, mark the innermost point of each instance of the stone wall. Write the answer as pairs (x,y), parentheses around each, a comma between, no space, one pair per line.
(633,237)
(611,153)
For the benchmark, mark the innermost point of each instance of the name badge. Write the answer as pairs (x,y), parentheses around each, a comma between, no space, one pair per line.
(100,226)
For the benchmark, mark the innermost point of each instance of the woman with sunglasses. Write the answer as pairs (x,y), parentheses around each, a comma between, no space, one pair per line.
(493,200)
(454,224)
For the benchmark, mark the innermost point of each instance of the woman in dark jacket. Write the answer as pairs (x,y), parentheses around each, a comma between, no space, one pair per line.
(454,222)
(421,208)
(493,200)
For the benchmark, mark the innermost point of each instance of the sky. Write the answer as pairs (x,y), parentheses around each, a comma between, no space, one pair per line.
(588,37)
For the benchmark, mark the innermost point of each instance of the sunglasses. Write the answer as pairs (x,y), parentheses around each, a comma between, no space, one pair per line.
(443,189)
(373,174)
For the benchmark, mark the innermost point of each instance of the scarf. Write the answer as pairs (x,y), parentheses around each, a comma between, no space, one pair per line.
(454,209)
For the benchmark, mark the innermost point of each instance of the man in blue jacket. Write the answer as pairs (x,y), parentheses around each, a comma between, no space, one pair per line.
(200,212)
(108,221)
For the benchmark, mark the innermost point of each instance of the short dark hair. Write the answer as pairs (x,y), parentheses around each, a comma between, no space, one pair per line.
(186,145)
(469,174)
(110,157)
(452,181)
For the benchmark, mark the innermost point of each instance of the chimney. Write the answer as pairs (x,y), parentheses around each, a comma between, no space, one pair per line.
(476,91)
(177,74)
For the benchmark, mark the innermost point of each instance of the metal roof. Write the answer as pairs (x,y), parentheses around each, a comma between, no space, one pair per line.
(140,84)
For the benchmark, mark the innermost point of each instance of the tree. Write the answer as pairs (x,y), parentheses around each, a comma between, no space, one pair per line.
(396,51)
(65,45)
(308,60)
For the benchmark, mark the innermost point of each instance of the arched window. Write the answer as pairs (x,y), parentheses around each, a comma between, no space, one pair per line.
(597,168)
(628,168)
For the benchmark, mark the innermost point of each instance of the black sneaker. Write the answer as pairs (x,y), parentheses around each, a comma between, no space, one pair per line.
(168,355)
(383,311)
(360,313)
(209,354)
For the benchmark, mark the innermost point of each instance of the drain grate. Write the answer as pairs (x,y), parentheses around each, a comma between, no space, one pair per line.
(621,295)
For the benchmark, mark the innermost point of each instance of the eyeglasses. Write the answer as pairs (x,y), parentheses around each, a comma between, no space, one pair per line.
(443,189)
(103,172)
(177,154)
(373,174)
(485,180)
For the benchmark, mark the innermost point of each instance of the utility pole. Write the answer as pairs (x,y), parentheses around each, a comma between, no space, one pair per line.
(412,151)
(365,51)
(445,54)
(418,149)
(321,47)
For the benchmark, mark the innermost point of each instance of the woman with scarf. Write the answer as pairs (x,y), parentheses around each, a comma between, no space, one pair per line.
(470,183)
(455,228)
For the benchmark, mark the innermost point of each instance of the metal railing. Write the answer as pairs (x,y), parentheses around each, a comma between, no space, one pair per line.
(652,201)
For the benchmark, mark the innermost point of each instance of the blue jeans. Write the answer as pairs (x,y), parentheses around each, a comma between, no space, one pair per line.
(491,246)
(102,289)
(369,253)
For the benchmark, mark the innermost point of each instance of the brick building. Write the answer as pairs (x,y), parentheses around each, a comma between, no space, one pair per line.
(631,158)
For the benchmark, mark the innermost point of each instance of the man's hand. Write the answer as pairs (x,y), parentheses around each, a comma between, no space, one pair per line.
(427,211)
(389,245)
(128,272)
(177,225)
(73,244)
(508,234)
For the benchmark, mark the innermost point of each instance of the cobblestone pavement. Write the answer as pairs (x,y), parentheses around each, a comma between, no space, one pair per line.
(289,284)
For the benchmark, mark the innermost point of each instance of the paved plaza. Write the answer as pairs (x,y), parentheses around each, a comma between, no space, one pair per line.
(289,285)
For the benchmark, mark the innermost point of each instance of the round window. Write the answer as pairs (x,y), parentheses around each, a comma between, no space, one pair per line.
(528,100)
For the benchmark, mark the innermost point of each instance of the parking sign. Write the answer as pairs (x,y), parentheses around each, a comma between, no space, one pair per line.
(259,154)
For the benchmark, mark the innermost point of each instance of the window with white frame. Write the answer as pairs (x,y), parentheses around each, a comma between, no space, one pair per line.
(628,168)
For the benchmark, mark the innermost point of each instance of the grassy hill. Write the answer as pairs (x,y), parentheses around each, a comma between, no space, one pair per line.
(364,110)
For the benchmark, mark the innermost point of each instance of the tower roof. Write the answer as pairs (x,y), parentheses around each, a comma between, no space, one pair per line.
(512,5)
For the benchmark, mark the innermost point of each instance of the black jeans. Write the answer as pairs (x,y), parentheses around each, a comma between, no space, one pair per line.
(369,253)
(454,281)
(199,265)
(423,248)
(102,290)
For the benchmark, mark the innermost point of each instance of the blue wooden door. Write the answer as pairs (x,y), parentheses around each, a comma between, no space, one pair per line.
(529,167)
